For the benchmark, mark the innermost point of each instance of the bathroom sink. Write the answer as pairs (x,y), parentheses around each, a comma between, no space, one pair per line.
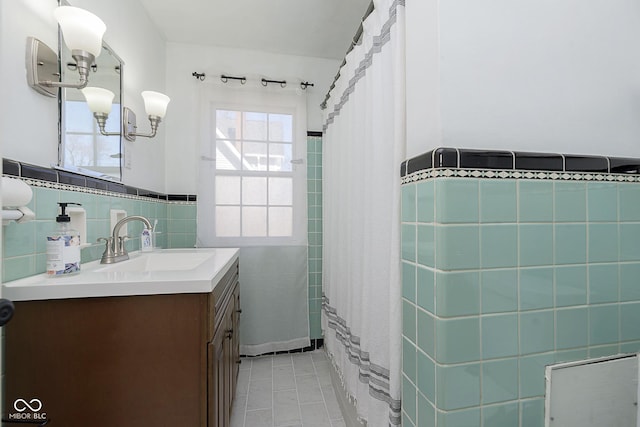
(165,271)
(158,261)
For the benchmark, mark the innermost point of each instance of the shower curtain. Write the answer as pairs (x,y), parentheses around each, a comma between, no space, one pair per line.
(363,148)
(273,267)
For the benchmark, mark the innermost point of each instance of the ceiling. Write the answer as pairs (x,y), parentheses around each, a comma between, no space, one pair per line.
(317,28)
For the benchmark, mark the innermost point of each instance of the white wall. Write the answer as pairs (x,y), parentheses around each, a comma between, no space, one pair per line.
(529,75)
(423,76)
(183,130)
(28,120)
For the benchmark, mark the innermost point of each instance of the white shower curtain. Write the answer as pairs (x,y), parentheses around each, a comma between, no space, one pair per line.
(363,147)
(273,270)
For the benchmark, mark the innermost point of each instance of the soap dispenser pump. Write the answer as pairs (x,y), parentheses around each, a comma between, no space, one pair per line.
(63,246)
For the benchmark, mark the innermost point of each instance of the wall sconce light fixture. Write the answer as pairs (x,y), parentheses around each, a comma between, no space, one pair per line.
(100,100)
(82,32)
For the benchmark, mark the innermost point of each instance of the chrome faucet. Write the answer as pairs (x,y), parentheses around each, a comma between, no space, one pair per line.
(115,250)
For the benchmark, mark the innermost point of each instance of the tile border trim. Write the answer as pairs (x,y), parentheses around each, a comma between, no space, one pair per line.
(44,177)
(467,163)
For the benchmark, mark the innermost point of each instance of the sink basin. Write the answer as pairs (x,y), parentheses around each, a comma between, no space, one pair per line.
(166,271)
(157,261)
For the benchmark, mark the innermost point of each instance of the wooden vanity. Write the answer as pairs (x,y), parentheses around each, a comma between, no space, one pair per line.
(167,359)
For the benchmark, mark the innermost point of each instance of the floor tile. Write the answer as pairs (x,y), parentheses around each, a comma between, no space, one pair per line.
(259,418)
(283,378)
(314,415)
(261,369)
(282,360)
(286,409)
(331,401)
(242,387)
(286,390)
(260,395)
(303,364)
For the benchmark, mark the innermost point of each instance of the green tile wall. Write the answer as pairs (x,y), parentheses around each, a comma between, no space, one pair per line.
(503,277)
(314,202)
(24,250)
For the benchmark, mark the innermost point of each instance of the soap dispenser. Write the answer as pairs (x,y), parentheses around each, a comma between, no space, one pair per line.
(63,246)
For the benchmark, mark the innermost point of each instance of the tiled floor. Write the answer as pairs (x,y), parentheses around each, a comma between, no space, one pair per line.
(292,390)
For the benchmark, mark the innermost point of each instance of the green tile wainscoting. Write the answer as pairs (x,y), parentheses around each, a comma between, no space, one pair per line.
(24,245)
(314,202)
(502,277)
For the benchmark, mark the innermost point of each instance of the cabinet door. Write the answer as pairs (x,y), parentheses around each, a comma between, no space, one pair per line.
(228,357)
(218,412)
(235,342)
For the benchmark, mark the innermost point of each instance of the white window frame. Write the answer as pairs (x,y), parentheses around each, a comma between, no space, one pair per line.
(248,100)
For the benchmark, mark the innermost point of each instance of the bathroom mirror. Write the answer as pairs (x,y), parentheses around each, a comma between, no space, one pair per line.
(82,148)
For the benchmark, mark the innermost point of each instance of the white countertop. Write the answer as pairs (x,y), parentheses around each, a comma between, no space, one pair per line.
(95,279)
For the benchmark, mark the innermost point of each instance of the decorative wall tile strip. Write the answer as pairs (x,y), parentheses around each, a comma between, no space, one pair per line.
(516,174)
(478,162)
(39,176)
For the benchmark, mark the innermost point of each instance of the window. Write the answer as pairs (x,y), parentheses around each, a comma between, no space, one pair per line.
(84,146)
(254,190)
(252,176)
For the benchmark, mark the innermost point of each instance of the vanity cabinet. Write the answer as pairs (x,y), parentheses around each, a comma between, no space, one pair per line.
(146,360)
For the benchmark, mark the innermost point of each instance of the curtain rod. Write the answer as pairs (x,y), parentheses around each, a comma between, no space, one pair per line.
(354,42)
(225,78)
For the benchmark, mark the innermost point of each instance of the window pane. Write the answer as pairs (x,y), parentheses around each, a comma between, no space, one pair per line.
(281,191)
(255,156)
(227,221)
(228,155)
(108,146)
(254,190)
(280,222)
(281,127)
(227,190)
(255,126)
(254,221)
(78,150)
(280,157)
(228,124)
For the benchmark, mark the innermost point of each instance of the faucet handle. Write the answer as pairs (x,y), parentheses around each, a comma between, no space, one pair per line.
(121,247)
(108,251)
(107,240)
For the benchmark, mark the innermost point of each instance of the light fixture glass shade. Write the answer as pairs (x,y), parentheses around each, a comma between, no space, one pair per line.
(99,99)
(155,103)
(82,30)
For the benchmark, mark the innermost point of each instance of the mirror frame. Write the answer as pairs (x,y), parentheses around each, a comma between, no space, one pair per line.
(61,116)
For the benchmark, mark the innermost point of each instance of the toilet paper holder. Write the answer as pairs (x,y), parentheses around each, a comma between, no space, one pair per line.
(19,215)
